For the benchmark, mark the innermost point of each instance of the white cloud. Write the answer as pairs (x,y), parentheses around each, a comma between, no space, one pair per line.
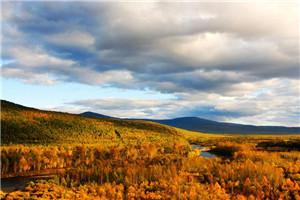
(37,58)
(28,77)
(72,39)
(239,59)
(270,102)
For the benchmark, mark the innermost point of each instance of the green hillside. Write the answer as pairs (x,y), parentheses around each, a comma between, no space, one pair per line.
(23,125)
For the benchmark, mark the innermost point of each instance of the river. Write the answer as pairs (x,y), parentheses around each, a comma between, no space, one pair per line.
(15,183)
(204,151)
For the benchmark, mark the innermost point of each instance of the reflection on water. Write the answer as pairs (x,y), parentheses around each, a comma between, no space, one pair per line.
(204,151)
(207,154)
(19,183)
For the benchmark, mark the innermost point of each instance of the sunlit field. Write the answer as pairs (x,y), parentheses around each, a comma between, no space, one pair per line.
(143,161)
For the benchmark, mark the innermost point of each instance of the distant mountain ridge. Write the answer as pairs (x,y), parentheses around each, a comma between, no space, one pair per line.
(210,126)
(96,115)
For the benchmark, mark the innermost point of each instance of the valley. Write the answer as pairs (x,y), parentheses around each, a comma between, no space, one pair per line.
(53,155)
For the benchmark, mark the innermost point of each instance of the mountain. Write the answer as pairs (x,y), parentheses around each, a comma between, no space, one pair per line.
(209,126)
(24,125)
(96,115)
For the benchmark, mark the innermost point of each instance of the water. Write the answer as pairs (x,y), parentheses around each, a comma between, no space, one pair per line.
(207,154)
(10,184)
(19,183)
(204,151)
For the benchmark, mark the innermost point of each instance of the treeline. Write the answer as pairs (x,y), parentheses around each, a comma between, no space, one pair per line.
(18,159)
(156,171)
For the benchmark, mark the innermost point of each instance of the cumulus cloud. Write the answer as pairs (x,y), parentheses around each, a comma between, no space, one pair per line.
(273,103)
(71,39)
(123,107)
(217,59)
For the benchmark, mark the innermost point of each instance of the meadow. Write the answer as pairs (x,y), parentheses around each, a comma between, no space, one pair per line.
(87,158)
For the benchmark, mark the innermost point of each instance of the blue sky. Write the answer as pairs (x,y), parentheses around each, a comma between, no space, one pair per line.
(57,95)
(222,61)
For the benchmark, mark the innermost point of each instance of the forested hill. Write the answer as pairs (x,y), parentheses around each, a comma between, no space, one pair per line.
(21,125)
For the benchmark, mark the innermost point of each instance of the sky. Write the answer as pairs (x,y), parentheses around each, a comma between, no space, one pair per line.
(232,61)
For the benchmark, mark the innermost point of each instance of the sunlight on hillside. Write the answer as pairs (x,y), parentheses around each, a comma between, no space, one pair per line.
(58,155)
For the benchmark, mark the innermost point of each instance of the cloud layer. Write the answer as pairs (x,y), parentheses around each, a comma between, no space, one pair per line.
(227,61)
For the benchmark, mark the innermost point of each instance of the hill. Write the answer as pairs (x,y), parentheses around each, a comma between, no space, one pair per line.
(96,115)
(24,125)
(210,126)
